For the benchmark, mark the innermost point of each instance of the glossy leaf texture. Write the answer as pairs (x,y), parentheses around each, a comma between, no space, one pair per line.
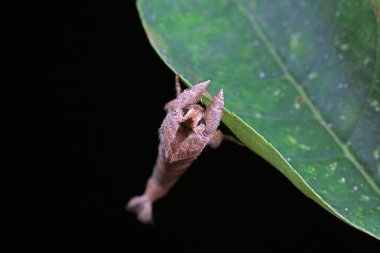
(302,87)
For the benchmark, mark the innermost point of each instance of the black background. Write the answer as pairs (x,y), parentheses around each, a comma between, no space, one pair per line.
(82,98)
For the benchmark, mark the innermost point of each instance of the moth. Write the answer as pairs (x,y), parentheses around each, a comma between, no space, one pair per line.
(186,130)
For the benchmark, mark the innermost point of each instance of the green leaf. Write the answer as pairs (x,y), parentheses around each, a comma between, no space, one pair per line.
(302,87)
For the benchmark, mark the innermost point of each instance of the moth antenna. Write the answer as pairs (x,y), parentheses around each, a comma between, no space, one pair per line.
(177,85)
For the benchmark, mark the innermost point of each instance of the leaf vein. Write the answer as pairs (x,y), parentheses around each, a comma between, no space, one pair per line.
(316,113)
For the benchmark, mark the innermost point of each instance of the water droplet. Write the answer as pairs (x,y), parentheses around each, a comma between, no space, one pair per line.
(289,159)
(304,147)
(332,167)
(262,74)
(292,140)
(276,93)
(294,41)
(364,198)
(312,75)
(375,105)
(342,85)
(355,188)
(376,154)
(346,209)
(297,106)
(342,180)
(344,47)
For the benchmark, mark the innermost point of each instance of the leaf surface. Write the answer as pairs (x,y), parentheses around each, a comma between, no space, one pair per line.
(302,87)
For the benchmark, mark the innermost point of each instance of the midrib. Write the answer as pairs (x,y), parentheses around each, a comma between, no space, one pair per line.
(347,153)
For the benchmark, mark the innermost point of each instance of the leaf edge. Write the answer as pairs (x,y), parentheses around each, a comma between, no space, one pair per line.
(238,127)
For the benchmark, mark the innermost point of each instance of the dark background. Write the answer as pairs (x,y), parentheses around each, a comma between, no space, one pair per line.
(82,99)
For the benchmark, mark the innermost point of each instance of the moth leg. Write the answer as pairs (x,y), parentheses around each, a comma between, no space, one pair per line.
(177,85)
(214,112)
(233,140)
(217,137)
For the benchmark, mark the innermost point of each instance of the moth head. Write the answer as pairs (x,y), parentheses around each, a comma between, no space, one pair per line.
(192,116)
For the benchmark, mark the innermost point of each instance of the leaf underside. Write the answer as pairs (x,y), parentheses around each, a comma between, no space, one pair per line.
(302,87)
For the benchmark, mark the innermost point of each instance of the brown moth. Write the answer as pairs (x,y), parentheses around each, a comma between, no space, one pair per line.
(184,133)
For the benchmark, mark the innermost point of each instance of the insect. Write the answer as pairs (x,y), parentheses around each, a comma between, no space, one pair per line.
(184,133)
